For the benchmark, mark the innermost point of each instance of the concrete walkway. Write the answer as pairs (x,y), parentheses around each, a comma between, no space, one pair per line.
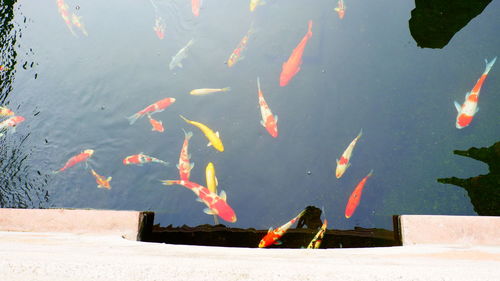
(33,256)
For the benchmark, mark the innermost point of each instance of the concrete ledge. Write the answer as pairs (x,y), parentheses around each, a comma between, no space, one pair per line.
(132,225)
(449,230)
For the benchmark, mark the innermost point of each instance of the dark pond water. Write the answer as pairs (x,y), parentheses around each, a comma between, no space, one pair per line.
(364,71)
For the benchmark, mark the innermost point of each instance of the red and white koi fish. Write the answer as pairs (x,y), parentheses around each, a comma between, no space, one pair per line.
(292,66)
(10,124)
(83,156)
(355,197)
(343,162)
(236,55)
(340,9)
(76,20)
(195,7)
(3,67)
(184,166)
(141,158)
(158,106)
(102,182)
(318,238)
(4,111)
(63,10)
(159,27)
(157,125)
(272,237)
(216,204)
(268,121)
(469,108)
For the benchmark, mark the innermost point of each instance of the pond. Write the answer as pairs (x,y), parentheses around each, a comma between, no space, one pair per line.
(77,70)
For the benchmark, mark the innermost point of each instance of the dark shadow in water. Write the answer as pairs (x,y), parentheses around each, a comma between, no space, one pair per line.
(483,190)
(434,22)
(7,48)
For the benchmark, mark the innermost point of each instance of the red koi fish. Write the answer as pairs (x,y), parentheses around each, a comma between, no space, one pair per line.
(63,10)
(216,204)
(236,54)
(268,121)
(353,202)
(102,182)
(469,108)
(195,7)
(184,166)
(292,66)
(340,9)
(141,158)
(4,111)
(343,162)
(273,236)
(157,125)
(158,106)
(159,27)
(84,156)
(10,124)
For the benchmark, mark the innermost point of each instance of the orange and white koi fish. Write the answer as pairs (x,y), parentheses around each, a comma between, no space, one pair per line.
(10,124)
(199,92)
(4,111)
(343,162)
(157,125)
(216,204)
(102,182)
(212,182)
(212,137)
(141,158)
(340,9)
(355,197)
(195,7)
(184,166)
(159,27)
(158,106)
(76,20)
(268,121)
(469,108)
(236,55)
(255,3)
(318,238)
(83,156)
(292,66)
(272,237)
(63,10)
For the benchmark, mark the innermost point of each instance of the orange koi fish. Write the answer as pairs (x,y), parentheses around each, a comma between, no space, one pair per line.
(63,10)
(10,124)
(159,27)
(4,111)
(353,202)
(157,125)
(141,158)
(343,162)
(195,7)
(216,204)
(184,166)
(268,121)
(102,182)
(318,238)
(84,156)
(272,237)
(76,20)
(236,54)
(292,66)
(469,108)
(340,9)
(158,106)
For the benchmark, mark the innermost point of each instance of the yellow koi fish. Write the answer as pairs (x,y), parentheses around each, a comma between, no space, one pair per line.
(212,137)
(199,92)
(212,182)
(255,3)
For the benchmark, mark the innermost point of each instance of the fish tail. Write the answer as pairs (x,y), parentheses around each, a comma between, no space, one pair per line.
(370,173)
(187,135)
(191,42)
(489,64)
(226,89)
(134,118)
(309,28)
(258,83)
(360,133)
(184,118)
(170,182)
(161,162)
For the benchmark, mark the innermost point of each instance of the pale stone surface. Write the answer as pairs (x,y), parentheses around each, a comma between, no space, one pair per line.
(459,230)
(60,256)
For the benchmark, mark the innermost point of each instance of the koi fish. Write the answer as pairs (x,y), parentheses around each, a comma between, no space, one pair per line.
(156,107)
(211,182)
(469,108)
(292,66)
(157,125)
(180,56)
(76,20)
(184,166)
(255,3)
(63,10)
(343,162)
(216,204)
(102,182)
(268,121)
(212,137)
(236,54)
(340,9)
(4,111)
(318,238)
(3,67)
(159,27)
(273,236)
(195,7)
(83,156)
(10,124)
(199,92)
(353,202)
(141,158)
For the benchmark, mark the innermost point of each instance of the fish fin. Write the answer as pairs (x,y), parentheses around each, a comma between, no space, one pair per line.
(189,156)
(133,118)
(276,118)
(278,242)
(209,211)
(165,163)
(198,199)
(216,181)
(270,230)
(489,64)
(467,95)
(177,165)
(458,106)
(262,123)
(179,64)
(348,165)
(191,166)
(109,179)
(477,109)
(223,195)
(217,134)
(187,135)
(337,160)
(209,144)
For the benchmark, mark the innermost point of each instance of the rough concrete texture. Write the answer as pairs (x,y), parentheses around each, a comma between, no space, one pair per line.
(104,222)
(60,256)
(460,230)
